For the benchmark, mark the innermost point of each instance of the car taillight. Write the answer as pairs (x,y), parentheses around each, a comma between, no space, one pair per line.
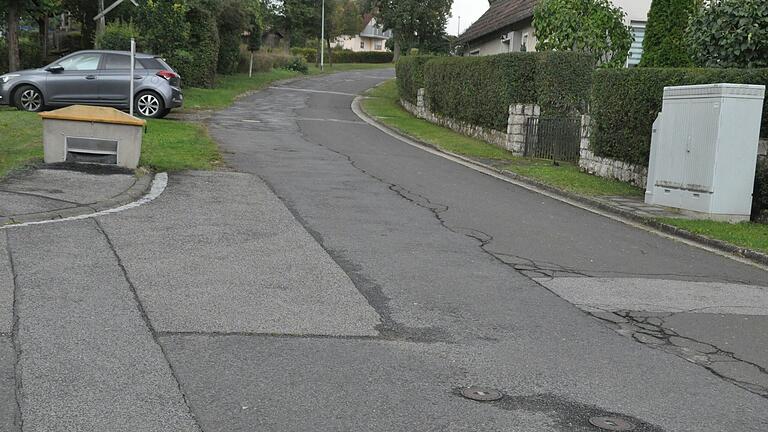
(168,75)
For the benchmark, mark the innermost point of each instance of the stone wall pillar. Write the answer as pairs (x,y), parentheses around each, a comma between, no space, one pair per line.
(421,103)
(585,154)
(516,125)
(762,147)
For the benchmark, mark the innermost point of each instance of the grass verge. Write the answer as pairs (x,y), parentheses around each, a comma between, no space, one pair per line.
(749,235)
(21,139)
(384,105)
(171,145)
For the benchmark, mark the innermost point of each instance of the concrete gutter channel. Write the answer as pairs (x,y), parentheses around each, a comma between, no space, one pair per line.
(140,186)
(588,203)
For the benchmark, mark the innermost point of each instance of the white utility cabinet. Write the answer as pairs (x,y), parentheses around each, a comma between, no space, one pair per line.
(704,150)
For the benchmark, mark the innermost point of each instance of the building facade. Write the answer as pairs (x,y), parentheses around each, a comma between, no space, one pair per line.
(507,26)
(372,38)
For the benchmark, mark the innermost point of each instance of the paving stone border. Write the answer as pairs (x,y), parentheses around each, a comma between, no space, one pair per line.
(139,188)
(605,206)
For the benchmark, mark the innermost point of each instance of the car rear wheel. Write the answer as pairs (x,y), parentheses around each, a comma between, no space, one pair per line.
(29,98)
(149,104)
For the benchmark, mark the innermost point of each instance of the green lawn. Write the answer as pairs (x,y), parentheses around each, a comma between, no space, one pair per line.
(384,105)
(569,178)
(171,145)
(749,235)
(21,138)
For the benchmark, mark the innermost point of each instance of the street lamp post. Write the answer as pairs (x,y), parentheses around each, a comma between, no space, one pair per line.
(322,40)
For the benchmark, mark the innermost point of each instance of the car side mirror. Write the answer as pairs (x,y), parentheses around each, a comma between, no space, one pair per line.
(55,69)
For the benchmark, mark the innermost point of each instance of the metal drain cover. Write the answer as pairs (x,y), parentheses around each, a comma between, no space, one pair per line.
(611,423)
(481,394)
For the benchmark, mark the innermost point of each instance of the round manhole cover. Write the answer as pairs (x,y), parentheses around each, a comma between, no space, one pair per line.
(481,394)
(611,423)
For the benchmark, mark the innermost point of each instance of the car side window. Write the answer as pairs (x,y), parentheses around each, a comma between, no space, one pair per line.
(82,62)
(119,62)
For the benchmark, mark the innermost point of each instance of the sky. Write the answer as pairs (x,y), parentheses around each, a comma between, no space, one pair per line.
(468,10)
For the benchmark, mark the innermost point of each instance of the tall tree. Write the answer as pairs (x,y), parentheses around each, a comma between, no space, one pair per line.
(342,18)
(664,44)
(13,11)
(412,22)
(593,26)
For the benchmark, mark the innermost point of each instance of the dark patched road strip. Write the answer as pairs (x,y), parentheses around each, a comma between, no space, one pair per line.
(444,255)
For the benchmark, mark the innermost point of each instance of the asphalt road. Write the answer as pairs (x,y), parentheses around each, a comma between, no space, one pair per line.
(339,279)
(471,277)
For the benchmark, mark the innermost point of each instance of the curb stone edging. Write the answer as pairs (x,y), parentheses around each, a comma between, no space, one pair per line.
(139,188)
(673,231)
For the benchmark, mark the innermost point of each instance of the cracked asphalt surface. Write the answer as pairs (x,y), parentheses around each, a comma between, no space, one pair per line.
(343,280)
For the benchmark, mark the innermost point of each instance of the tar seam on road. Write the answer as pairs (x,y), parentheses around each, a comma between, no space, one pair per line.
(471,165)
(147,322)
(40,196)
(159,184)
(15,335)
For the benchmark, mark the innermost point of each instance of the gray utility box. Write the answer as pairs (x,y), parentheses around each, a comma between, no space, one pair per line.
(92,135)
(704,150)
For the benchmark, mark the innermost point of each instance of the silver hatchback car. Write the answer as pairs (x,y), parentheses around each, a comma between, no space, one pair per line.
(96,78)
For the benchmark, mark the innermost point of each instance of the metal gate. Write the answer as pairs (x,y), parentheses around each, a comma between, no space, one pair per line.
(557,138)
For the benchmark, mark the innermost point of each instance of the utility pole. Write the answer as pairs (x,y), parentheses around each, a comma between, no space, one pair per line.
(101,23)
(458,32)
(322,40)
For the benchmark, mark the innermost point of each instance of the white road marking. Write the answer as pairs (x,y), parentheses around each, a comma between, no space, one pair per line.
(461,160)
(313,91)
(330,120)
(159,184)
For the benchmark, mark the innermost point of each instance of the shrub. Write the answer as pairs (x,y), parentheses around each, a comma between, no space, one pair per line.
(309,54)
(3,56)
(71,42)
(664,43)
(760,196)
(232,21)
(591,26)
(204,37)
(117,36)
(297,64)
(730,33)
(30,54)
(626,102)
(410,76)
(347,56)
(479,90)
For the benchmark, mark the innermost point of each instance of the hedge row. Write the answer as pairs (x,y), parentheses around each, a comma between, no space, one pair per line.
(479,90)
(626,102)
(410,76)
(345,56)
(760,196)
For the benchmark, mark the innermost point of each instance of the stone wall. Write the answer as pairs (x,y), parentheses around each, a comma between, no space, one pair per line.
(607,167)
(513,139)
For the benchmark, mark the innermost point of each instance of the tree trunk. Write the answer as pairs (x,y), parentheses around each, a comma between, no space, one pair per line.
(396,49)
(42,26)
(14,62)
(330,53)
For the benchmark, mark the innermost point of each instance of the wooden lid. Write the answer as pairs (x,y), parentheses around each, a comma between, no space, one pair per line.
(93,114)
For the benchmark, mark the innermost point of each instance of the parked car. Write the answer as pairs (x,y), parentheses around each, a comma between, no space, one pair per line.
(95,78)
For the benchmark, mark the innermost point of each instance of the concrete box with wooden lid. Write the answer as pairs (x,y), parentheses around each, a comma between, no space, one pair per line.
(92,135)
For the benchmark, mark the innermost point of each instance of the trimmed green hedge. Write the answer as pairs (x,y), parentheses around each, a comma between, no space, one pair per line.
(410,76)
(479,90)
(345,56)
(760,196)
(625,103)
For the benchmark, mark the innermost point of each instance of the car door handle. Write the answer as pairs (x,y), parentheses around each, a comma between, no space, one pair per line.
(90,77)
(138,77)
